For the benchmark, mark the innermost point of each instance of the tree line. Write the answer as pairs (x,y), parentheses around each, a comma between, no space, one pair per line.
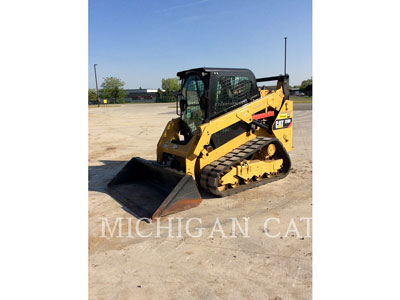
(112,90)
(305,87)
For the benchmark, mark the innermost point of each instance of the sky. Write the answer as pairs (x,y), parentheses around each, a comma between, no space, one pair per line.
(143,41)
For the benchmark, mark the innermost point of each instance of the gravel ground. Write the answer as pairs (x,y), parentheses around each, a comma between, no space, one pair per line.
(255,265)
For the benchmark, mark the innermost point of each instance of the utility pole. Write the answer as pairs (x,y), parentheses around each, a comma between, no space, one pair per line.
(97,88)
(285,56)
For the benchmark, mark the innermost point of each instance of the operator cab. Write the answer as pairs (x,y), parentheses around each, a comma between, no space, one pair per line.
(207,93)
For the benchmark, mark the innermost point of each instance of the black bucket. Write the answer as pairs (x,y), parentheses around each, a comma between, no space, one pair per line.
(152,190)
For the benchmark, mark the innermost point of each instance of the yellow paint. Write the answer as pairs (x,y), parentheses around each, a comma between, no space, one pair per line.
(251,169)
(285,134)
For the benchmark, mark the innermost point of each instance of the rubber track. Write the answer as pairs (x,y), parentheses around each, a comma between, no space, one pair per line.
(210,173)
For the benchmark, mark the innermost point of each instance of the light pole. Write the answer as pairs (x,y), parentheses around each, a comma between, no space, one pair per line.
(97,88)
(285,56)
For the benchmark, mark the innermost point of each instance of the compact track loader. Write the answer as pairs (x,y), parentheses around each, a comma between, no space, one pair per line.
(230,136)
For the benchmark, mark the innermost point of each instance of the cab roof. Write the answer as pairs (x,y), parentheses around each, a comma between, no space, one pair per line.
(182,74)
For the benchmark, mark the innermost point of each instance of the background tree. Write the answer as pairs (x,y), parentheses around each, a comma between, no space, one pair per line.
(92,95)
(171,86)
(306,87)
(112,89)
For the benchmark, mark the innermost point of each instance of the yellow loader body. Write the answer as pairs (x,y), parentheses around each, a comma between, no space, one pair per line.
(256,138)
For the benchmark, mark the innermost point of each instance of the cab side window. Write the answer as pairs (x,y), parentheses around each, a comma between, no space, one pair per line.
(231,90)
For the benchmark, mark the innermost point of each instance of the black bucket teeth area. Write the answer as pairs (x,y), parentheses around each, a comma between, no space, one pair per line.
(211,173)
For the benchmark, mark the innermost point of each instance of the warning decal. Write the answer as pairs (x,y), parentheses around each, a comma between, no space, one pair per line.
(283,116)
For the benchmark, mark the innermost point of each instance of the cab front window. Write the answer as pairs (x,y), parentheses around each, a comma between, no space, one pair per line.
(193,90)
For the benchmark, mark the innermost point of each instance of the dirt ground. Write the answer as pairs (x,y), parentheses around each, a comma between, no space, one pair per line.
(211,266)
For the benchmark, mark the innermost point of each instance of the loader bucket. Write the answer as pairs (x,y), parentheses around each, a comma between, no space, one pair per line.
(151,190)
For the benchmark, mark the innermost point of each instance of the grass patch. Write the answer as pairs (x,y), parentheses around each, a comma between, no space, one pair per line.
(301,98)
(104,105)
(302,101)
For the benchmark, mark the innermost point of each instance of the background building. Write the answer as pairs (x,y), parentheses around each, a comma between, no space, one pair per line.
(141,94)
(294,91)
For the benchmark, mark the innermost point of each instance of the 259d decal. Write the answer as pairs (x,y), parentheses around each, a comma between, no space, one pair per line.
(284,123)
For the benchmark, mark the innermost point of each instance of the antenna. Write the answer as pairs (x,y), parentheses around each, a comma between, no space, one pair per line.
(284,72)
